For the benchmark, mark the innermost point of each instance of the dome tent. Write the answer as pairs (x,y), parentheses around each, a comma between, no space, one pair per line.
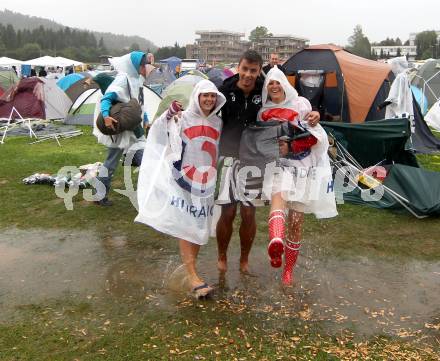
(351,88)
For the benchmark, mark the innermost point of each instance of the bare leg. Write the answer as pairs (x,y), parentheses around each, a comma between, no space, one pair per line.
(188,253)
(248,228)
(277,202)
(224,233)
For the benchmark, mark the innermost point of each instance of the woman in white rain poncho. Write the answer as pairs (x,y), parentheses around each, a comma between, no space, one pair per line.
(178,175)
(304,184)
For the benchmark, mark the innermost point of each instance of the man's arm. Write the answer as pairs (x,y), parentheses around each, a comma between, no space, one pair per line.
(106,103)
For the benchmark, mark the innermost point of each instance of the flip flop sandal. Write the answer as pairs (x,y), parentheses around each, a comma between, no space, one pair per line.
(275,249)
(202,292)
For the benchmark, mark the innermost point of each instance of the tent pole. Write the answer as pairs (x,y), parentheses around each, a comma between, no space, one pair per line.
(392,193)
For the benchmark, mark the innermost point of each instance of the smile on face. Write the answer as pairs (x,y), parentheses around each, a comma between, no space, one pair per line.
(275,91)
(248,73)
(207,102)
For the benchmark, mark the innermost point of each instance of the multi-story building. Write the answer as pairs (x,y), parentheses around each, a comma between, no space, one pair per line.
(391,51)
(217,46)
(284,45)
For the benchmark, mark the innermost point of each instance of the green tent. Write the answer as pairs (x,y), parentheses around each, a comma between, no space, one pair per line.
(180,89)
(385,142)
(7,78)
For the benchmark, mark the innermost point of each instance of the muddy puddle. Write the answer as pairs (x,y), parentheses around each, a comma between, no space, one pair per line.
(371,296)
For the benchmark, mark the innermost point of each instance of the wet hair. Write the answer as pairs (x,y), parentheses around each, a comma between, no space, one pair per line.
(252,57)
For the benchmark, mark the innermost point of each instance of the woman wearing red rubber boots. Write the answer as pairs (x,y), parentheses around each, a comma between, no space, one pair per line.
(304,183)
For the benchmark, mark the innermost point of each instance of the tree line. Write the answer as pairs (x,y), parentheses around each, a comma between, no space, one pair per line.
(70,43)
(425,41)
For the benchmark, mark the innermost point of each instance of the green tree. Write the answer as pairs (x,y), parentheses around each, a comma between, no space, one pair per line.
(426,42)
(30,51)
(359,43)
(258,33)
(134,47)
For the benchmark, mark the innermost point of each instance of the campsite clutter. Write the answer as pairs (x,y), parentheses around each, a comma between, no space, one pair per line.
(82,179)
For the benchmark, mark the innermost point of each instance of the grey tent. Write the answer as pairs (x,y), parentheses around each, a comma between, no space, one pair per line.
(427,79)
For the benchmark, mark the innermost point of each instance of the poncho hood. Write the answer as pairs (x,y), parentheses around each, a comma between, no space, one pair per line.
(128,63)
(276,74)
(205,86)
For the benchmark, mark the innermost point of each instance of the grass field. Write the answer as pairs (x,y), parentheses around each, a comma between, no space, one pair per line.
(229,327)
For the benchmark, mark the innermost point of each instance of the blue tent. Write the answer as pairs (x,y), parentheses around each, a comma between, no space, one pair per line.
(172,62)
(66,82)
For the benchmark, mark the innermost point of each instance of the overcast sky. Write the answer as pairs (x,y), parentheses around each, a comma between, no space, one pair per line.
(164,22)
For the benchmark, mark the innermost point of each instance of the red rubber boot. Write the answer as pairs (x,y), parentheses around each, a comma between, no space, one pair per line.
(275,249)
(290,257)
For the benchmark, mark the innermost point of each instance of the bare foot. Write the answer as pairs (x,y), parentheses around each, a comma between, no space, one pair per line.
(222,265)
(195,282)
(244,267)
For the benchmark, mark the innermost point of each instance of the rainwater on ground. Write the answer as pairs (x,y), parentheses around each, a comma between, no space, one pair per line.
(371,296)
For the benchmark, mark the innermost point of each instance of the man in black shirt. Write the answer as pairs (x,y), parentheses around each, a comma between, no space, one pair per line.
(243,101)
(273,60)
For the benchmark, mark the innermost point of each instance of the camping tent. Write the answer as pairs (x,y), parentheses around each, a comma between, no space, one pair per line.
(159,79)
(83,109)
(67,81)
(172,62)
(383,142)
(7,78)
(180,90)
(433,116)
(217,76)
(427,79)
(35,98)
(348,87)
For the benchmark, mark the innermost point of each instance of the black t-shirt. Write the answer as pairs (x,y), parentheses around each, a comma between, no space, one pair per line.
(267,67)
(238,112)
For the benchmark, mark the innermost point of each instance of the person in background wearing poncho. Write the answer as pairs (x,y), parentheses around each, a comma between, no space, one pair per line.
(127,84)
(178,175)
(302,148)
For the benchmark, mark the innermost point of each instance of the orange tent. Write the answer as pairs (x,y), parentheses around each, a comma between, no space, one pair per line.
(360,82)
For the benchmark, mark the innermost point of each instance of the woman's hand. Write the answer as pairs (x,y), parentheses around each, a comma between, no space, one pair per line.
(175,110)
(110,122)
(313,118)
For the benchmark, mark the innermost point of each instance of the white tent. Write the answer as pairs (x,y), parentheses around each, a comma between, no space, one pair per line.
(57,103)
(433,116)
(4,60)
(68,62)
(84,111)
(43,61)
